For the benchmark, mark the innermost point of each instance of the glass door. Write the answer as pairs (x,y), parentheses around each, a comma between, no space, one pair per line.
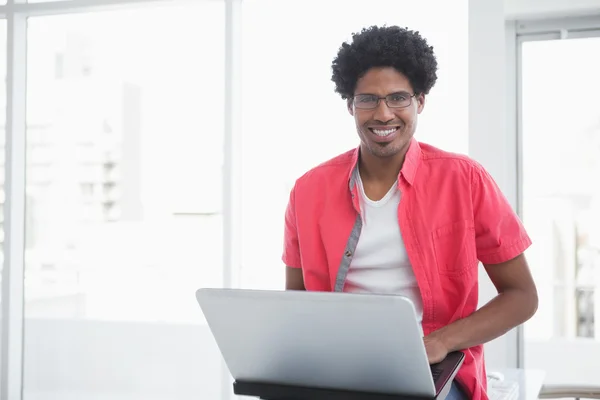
(560,193)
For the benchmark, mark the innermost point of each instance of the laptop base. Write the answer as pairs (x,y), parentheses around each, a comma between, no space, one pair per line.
(267,391)
(271,391)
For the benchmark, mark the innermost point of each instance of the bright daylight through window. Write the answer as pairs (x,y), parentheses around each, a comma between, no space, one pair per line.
(561,201)
(2,146)
(125,113)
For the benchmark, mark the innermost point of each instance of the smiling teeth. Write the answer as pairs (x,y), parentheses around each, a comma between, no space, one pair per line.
(386,132)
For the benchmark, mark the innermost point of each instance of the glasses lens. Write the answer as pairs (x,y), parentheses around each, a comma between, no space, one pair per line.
(398,100)
(365,101)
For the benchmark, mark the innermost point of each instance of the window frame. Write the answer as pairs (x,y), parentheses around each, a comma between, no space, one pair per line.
(16,13)
(519,32)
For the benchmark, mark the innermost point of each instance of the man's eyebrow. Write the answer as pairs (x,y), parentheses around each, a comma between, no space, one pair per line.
(403,91)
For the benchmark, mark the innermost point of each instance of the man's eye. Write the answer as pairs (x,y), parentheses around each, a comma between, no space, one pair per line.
(367,99)
(397,97)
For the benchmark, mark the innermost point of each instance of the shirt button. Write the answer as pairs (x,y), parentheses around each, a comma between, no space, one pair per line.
(348,253)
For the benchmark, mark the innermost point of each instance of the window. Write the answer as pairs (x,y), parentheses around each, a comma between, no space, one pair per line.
(2,149)
(125,136)
(560,142)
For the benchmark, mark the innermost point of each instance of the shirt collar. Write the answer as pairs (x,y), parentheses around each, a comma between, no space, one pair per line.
(409,168)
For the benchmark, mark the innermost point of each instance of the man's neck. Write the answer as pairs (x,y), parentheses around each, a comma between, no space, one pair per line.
(380,170)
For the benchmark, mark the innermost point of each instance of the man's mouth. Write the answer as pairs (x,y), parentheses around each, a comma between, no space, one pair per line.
(383,132)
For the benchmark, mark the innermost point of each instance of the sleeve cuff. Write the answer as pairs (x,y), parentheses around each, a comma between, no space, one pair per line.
(291,262)
(506,253)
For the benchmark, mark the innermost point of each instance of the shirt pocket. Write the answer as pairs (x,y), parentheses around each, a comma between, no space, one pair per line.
(454,248)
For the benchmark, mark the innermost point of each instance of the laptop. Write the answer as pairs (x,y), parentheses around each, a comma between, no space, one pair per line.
(328,343)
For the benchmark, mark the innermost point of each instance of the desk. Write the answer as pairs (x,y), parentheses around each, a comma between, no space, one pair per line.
(530,381)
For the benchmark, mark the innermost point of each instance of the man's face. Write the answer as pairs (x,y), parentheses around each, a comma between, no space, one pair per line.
(385,131)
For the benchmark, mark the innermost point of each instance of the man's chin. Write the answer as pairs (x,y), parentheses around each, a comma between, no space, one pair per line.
(390,149)
(385,151)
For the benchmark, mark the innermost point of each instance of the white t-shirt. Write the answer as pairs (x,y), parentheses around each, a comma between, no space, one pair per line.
(380,264)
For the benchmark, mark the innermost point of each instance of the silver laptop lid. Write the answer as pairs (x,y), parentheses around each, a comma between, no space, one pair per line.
(346,341)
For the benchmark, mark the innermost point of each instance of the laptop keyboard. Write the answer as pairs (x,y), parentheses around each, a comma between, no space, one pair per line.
(436,372)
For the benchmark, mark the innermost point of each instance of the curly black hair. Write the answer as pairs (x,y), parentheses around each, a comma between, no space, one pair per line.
(388,46)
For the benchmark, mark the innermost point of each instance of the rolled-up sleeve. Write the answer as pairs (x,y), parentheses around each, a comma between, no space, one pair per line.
(291,246)
(500,234)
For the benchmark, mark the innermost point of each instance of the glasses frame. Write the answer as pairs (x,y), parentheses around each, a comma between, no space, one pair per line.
(385,98)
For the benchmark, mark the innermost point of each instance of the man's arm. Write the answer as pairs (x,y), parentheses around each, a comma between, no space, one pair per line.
(516,302)
(501,240)
(294,279)
(291,248)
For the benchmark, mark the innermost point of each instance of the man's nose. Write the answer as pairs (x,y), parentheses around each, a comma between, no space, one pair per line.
(383,112)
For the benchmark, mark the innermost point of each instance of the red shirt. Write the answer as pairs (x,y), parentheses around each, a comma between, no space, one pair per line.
(452,215)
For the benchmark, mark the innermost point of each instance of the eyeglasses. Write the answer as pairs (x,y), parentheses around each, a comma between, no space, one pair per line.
(394,100)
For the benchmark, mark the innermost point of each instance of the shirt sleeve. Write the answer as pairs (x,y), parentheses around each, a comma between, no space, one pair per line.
(499,233)
(291,247)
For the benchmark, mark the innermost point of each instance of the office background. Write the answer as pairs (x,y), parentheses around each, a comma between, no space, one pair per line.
(149,148)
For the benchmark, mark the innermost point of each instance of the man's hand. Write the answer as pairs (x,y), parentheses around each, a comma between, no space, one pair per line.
(436,349)
(516,303)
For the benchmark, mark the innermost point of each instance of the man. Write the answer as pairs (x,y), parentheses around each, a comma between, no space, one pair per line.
(401,217)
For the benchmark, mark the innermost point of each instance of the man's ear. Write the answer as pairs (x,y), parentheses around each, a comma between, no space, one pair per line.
(420,102)
(350,105)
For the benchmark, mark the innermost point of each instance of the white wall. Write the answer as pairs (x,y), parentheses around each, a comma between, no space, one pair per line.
(522,9)
(492,138)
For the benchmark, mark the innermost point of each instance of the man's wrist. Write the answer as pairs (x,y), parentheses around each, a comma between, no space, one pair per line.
(448,337)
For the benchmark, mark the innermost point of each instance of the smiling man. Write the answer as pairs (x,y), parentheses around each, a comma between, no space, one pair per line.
(397,216)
